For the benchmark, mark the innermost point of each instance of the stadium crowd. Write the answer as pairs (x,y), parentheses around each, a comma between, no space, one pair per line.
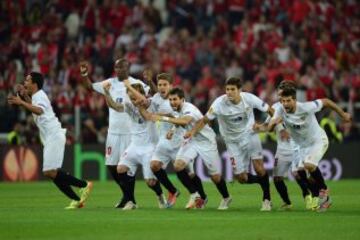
(314,43)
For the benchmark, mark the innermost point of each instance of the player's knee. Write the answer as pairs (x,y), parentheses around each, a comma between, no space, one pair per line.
(295,174)
(310,167)
(155,166)
(50,174)
(278,179)
(216,178)
(151,182)
(192,175)
(242,178)
(122,169)
(259,167)
(179,165)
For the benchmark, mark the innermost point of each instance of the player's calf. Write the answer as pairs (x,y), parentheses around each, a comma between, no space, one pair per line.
(282,189)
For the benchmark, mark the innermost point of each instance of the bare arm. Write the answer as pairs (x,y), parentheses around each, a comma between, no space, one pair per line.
(271,111)
(263,127)
(138,96)
(333,106)
(110,102)
(16,100)
(273,122)
(84,72)
(148,78)
(260,127)
(148,116)
(197,128)
(182,121)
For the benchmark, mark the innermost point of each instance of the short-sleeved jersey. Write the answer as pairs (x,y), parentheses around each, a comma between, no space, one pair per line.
(47,122)
(285,147)
(142,131)
(119,122)
(162,106)
(302,124)
(235,120)
(207,133)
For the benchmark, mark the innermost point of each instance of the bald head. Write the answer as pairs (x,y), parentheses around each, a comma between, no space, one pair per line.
(122,68)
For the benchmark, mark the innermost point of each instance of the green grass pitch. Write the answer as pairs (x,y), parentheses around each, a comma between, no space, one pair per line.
(35,211)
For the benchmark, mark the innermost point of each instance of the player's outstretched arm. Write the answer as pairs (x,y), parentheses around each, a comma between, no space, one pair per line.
(139,97)
(333,106)
(109,101)
(197,127)
(16,100)
(263,127)
(260,127)
(271,111)
(273,123)
(84,72)
(148,116)
(182,121)
(148,79)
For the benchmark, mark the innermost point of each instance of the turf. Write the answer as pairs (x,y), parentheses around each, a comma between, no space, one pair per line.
(35,211)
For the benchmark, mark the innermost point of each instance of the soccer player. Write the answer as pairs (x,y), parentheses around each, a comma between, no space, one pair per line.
(169,142)
(234,111)
(286,158)
(203,144)
(143,141)
(119,132)
(300,120)
(53,139)
(166,149)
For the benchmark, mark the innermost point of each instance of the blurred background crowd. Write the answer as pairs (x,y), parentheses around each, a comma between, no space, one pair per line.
(315,43)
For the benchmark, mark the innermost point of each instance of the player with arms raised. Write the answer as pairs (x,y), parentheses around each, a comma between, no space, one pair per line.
(119,132)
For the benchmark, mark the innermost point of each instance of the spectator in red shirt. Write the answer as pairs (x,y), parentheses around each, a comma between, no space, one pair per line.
(325,67)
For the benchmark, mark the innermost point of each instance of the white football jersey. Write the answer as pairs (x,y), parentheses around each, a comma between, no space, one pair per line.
(283,147)
(119,122)
(207,133)
(236,119)
(302,124)
(162,106)
(142,131)
(47,122)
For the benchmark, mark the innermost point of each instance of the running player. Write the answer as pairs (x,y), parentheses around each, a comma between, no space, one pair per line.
(168,146)
(143,141)
(285,159)
(235,115)
(53,139)
(203,144)
(300,120)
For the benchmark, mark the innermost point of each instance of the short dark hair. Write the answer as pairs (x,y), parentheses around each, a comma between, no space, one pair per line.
(177,91)
(123,61)
(165,76)
(38,79)
(138,87)
(234,81)
(288,91)
(286,83)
